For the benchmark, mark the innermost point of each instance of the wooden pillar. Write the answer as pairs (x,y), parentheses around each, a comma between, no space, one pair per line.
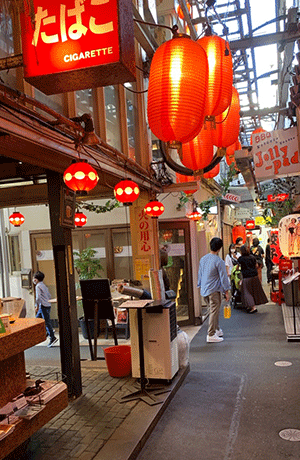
(65,286)
(144,240)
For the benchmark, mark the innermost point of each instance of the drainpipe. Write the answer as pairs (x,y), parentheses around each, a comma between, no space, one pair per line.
(4,258)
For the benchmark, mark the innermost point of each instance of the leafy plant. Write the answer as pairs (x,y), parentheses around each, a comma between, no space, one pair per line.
(276,210)
(98,209)
(86,265)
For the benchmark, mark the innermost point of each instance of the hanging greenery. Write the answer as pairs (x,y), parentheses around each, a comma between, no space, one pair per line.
(276,210)
(98,209)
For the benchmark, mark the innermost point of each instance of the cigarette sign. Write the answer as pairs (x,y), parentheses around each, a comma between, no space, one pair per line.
(77,44)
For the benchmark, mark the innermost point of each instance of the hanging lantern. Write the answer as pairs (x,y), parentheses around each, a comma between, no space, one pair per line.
(167,235)
(256,131)
(195,215)
(80,219)
(288,229)
(220,74)
(249,234)
(239,231)
(16,219)
(250,224)
(181,179)
(199,152)
(180,12)
(177,90)
(230,158)
(154,208)
(228,123)
(213,172)
(126,192)
(81,177)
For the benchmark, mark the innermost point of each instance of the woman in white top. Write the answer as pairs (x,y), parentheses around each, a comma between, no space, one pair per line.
(230,259)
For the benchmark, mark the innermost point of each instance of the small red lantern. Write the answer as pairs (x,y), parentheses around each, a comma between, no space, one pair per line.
(250,225)
(177,90)
(213,172)
(81,177)
(220,73)
(126,192)
(16,219)
(228,123)
(80,219)
(167,235)
(195,215)
(154,208)
(199,152)
(239,231)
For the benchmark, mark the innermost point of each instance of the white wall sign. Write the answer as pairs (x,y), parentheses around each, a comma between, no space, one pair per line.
(232,197)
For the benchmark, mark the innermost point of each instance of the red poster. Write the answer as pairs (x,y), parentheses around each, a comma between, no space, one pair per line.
(274,245)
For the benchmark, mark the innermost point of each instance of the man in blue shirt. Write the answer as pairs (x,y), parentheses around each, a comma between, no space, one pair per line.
(43,306)
(213,282)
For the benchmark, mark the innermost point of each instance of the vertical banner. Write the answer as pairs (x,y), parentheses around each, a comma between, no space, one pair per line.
(145,233)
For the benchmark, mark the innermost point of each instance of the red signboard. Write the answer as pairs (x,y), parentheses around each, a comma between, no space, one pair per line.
(279,197)
(78,44)
(250,224)
(274,246)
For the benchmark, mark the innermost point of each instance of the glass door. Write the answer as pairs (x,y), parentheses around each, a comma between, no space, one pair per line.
(174,238)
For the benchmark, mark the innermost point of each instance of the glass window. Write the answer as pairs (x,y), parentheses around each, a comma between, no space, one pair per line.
(7,48)
(132,120)
(112,111)
(55,102)
(84,102)
(122,254)
(14,253)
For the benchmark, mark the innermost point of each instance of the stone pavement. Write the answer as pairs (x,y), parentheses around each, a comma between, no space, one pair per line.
(95,425)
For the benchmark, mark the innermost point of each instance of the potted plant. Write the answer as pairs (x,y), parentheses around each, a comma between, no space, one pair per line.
(88,267)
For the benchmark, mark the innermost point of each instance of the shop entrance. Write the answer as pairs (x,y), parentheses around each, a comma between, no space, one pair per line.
(174,237)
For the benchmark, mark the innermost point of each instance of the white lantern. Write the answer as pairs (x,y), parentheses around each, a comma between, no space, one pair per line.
(289,235)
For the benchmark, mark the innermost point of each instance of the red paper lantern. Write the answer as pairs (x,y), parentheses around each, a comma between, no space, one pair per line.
(80,219)
(177,90)
(154,208)
(167,235)
(230,152)
(126,191)
(228,123)
(199,152)
(81,177)
(181,179)
(213,172)
(220,74)
(16,219)
(250,224)
(180,12)
(256,131)
(239,231)
(195,215)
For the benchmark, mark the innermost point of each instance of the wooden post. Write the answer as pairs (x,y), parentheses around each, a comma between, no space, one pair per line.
(65,287)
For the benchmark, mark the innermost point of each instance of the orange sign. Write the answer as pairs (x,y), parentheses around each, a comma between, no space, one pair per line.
(78,44)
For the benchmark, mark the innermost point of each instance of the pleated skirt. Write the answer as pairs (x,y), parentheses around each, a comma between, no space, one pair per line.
(252,292)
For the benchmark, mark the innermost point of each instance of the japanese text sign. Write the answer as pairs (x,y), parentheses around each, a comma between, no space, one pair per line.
(275,153)
(279,197)
(78,44)
(145,233)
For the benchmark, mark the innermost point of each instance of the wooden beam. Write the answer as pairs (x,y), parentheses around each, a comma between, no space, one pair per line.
(11,62)
(23,195)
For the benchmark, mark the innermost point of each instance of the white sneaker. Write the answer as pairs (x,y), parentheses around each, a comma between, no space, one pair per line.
(213,338)
(219,332)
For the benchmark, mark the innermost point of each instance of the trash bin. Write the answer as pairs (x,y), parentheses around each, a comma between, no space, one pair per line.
(118,360)
(288,295)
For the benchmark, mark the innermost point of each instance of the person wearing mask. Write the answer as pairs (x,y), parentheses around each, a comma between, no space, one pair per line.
(213,282)
(231,259)
(252,291)
(269,262)
(43,306)
(238,243)
(259,254)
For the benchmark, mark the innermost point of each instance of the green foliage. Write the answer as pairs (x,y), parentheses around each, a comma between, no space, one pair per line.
(205,207)
(86,265)
(98,209)
(275,211)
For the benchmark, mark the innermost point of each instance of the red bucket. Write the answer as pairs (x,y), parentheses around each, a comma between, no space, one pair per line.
(118,360)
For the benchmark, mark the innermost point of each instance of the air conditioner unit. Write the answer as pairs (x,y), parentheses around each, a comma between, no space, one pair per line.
(160,343)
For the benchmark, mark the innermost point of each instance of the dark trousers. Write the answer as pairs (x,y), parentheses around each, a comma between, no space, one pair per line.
(269,265)
(44,312)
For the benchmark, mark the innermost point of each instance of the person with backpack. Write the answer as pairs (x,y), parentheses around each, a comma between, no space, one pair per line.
(259,255)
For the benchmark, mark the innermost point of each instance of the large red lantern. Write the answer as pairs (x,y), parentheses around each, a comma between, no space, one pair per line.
(177,90)
(80,219)
(256,131)
(199,152)
(239,231)
(16,219)
(220,74)
(213,172)
(181,179)
(230,158)
(126,191)
(228,123)
(81,177)
(154,208)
